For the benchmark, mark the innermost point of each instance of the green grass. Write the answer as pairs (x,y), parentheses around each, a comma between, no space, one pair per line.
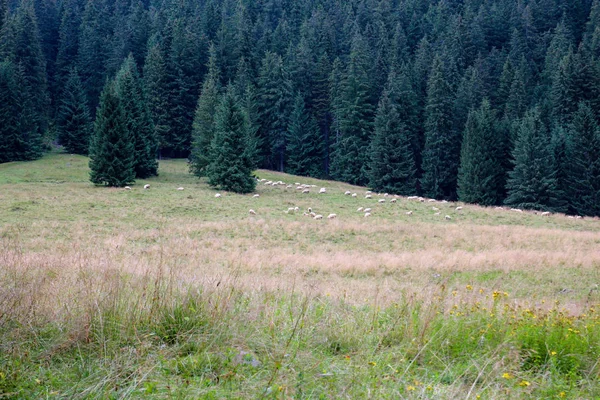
(159,293)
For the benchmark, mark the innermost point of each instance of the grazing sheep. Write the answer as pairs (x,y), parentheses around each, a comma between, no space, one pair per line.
(516,210)
(448,217)
(579,217)
(146,186)
(256,195)
(289,187)
(437,213)
(412,197)
(368,192)
(268,182)
(318,216)
(459,208)
(347,193)
(252,212)
(354,194)
(332,216)
(289,210)
(444,201)
(571,217)
(322,190)
(422,200)
(180,188)
(263,180)
(297,184)
(218,195)
(359,209)
(435,209)
(127,188)
(368,196)
(545,213)
(367,210)
(432,200)
(409,213)
(367,215)
(381,200)
(499,208)
(393,200)
(306,191)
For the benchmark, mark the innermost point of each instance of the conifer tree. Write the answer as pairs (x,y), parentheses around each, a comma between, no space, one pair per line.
(230,167)
(155,84)
(112,150)
(73,121)
(304,142)
(481,176)
(442,147)
(203,128)
(392,165)
(128,87)
(584,162)
(532,183)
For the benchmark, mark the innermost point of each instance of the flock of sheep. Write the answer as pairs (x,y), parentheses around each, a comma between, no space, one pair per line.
(367,211)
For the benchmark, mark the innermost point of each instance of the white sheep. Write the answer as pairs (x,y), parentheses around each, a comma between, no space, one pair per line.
(146,186)
(217,195)
(367,215)
(348,193)
(459,208)
(180,188)
(359,209)
(289,210)
(368,192)
(354,194)
(499,208)
(306,191)
(268,182)
(256,195)
(422,200)
(432,200)
(409,213)
(435,209)
(289,187)
(367,210)
(516,210)
(296,209)
(393,200)
(322,190)
(332,216)
(412,197)
(545,213)
(385,194)
(437,213)
(127,188)
(252,212)
(318,216)
(297,184)
(381,200)
(448,217)
(368,196)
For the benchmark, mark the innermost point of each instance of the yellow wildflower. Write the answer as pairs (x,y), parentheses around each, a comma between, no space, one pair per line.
(410,388)
(507,375)
(524,383)
(469,287)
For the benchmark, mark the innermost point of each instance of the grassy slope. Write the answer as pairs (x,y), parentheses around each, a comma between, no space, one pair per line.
(108,292)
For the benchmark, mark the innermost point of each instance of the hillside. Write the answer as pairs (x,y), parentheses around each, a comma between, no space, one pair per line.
(115,292)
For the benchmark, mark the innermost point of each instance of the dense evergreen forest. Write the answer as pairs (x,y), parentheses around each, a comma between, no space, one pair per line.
(487,101)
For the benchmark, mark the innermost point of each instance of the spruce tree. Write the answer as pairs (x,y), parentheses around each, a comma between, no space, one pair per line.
(155,85)
(532,183)
(112,150)
(392,165)
(230,167)
(442,147)
(73,121)
(304,142)
(481,176)
(583,172)
(204,120)
(138,121)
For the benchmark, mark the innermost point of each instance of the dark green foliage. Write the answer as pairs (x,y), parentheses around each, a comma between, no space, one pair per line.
(392,165)
(204,119)
(73,121)
(304,143)
(230,167)
(532,184)
(155,84)
(481,176)
(583,172)
(112,150)
(442,147)
(137,119)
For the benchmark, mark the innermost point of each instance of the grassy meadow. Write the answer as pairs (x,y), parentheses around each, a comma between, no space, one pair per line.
(112,293)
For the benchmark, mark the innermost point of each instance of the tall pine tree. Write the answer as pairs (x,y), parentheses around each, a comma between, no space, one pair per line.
(304,142)
(73,121)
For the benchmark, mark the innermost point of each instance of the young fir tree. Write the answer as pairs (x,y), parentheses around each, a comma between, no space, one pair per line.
(230,167)
(137,119)
(442,147)
(583,172)
(112,150)
(392,165)
(532,183)
(203,128)
(304,142)
(73,121)
(481,176)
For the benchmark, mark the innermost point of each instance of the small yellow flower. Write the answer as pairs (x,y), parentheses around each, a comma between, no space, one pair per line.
(454,293)
(506,375)
(469,287)
(562,394)
(552,353)
(372,363)
(410,388)
(480,291)
(524,383)
(430,388)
